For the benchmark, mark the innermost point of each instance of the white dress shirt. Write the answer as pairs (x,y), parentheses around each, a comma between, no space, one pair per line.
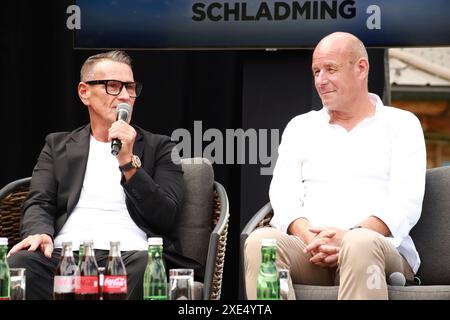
(338,178)
(101,213)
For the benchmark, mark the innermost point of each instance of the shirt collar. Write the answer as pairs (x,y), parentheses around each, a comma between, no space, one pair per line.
(374,99)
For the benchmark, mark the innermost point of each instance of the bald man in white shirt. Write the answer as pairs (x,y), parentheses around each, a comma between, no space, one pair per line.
(348,184)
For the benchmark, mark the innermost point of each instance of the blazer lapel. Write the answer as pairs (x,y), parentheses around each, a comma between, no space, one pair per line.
(77,156)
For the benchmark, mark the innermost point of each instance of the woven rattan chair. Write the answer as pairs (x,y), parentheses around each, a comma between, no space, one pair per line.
(431,236)
(217,243)
(11,199)
(199,179)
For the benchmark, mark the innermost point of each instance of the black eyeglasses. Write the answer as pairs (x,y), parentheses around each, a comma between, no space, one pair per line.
(114,87)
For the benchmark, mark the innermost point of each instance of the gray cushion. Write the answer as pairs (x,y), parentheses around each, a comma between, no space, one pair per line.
(305,292)
(419,293)
(431,235)
(194,225)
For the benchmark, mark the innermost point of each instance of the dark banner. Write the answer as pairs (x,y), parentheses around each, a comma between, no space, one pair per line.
(196,24)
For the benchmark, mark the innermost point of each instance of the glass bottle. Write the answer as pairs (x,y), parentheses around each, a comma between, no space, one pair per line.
(115,278)
(87,279)
(5,277)
(155,277)
(64,281)
(283,275)
(267,285)
(80,253)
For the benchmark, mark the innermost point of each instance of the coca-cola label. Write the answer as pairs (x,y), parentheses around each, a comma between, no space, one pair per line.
(86,284)
(64,284)
(115,284)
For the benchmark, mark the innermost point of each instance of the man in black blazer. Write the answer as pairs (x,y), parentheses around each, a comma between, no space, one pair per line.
(80,191)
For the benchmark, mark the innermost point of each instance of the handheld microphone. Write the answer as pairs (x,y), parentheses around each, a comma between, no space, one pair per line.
(397,279)
(123,113)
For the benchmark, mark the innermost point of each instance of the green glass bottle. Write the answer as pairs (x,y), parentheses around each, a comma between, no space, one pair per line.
(268,285)
(155,278)
(5,277)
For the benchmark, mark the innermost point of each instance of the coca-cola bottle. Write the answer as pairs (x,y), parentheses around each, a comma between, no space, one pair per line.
(115,279)
(87,279)
(64,281)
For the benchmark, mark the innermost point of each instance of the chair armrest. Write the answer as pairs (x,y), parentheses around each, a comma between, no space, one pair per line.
(216,250)
(256,219)
(13,186)
(251,225)
(12,197)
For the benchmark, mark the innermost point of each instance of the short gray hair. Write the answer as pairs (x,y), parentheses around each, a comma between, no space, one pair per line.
(115,55)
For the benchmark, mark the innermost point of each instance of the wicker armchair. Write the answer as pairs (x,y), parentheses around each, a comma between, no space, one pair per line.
(217,244)
(13,195)
(431,236)
(11,199)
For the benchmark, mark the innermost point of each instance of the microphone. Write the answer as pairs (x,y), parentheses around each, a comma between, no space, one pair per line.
(397,279)
(123,113)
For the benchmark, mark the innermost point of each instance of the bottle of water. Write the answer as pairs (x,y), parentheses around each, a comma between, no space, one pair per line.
(267,285)
(155,278)
(5,277)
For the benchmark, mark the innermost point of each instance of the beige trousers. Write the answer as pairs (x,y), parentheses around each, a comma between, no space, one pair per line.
(366,257)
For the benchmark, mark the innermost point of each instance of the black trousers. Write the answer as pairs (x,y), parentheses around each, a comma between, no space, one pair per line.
(40,271)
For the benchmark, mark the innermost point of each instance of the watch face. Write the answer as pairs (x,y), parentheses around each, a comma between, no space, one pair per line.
(136,162)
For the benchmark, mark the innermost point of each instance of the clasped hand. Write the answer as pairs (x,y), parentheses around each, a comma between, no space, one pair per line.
(325,246)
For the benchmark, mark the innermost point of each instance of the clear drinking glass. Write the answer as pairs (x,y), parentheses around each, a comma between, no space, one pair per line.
(181,286)
(18,283)
(283,275)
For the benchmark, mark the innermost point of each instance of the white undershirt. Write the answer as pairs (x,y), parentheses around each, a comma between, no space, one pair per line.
(337,178)
(101,214)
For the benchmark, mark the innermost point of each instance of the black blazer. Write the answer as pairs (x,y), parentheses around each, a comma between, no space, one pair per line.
(153,195)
